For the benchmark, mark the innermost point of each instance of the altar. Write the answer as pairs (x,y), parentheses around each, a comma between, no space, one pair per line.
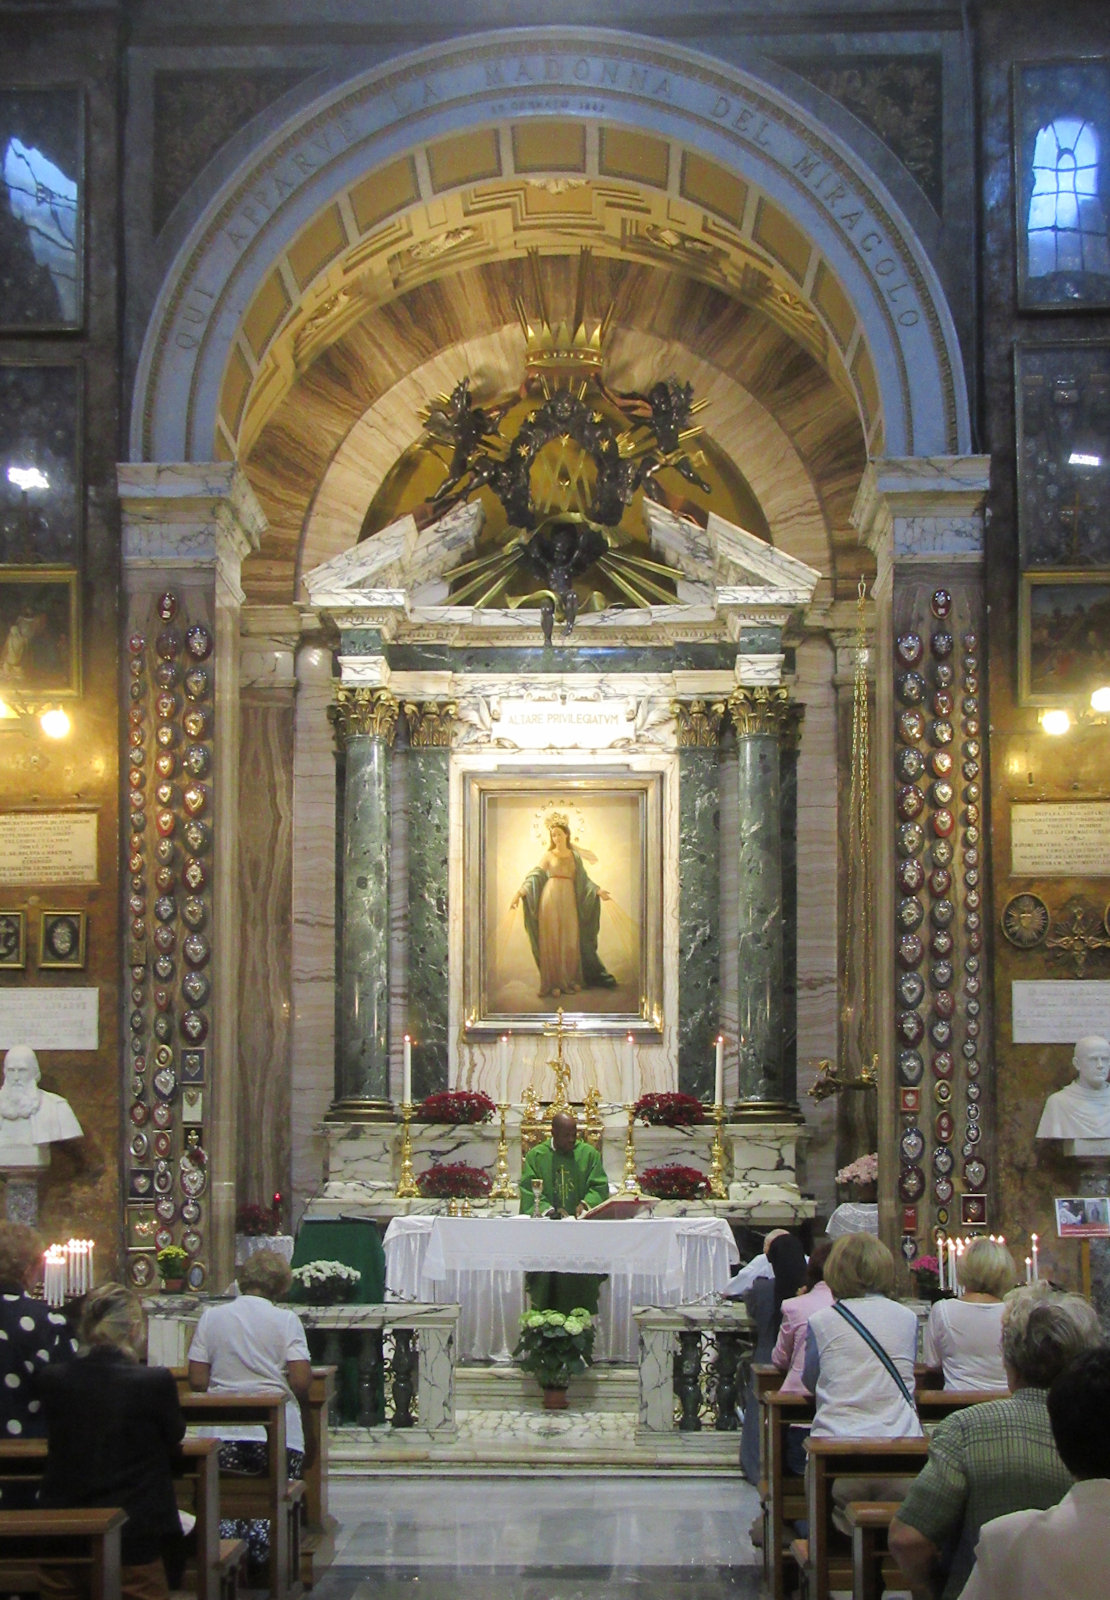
(480,1263)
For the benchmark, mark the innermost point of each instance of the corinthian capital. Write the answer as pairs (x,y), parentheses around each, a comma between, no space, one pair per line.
(760,710)
(431,723)
(362,710)
(697,723)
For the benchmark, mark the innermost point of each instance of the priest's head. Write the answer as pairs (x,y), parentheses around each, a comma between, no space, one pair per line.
(564,1132)
(1091,1061)
(20,1095)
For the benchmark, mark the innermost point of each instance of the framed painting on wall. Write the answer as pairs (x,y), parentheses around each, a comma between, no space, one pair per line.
(41,208)
(564,880)
(40,463)
(40,634)
(1062,184)
(1064,636)
(1063,454)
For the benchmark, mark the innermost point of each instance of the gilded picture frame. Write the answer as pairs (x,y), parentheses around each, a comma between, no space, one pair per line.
(62,940)
(1063,637)
(40,635)
(13,940)
(563,909)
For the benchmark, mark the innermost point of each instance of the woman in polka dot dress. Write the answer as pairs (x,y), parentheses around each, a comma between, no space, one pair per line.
(32,1336)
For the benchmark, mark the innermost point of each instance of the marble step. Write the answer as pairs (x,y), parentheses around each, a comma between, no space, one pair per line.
(506,1388)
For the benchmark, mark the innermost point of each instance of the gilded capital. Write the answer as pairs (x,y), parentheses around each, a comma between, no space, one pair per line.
(363,711)
(431,723)
(697,723)
(760,710)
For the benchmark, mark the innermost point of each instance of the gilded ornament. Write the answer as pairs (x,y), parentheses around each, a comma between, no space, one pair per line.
(759,710)
(697,723)
(431,723)
(364,712)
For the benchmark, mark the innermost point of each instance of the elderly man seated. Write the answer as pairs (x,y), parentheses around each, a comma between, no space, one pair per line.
(1058,1554)
(997,1457)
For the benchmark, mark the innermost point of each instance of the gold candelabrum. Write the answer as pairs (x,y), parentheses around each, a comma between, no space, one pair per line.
(406,1188)
(630,1184)
(718,1189)
(503,1187)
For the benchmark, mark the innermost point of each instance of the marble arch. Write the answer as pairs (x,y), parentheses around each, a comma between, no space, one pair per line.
(729,117)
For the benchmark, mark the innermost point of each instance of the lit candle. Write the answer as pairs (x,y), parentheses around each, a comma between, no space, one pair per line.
(719,1075)
(92,1276)
(503,1072)
(406,1074)
(54,1275)
(1029,1269)
(1036,1265)
(628,1077)
(940,1260)
(952,1265)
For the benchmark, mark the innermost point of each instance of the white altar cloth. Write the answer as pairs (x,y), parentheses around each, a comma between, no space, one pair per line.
(479,1263)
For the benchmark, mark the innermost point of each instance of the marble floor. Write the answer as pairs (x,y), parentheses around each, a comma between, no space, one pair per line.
(548,1537)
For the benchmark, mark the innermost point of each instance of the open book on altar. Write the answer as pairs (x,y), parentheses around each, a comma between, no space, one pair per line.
(619,1207)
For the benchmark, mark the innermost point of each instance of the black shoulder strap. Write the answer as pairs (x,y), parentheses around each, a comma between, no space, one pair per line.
(866,1334)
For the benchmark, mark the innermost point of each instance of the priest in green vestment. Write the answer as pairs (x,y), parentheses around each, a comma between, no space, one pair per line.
(574,1180)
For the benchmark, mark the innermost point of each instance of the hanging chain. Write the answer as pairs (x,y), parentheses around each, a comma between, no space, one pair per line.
(859,928)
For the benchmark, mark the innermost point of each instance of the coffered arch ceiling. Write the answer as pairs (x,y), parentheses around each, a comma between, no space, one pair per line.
(427,254)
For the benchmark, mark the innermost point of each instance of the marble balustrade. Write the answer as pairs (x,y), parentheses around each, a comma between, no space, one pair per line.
(693,1361)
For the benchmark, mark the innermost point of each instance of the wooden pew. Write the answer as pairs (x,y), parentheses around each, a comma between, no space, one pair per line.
(71,1538)
(824,1556)
(933,1405)
(271,1497)
(783,1492)
(196,1482)
(870,1522)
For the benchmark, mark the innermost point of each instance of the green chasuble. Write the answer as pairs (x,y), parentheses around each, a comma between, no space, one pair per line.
(568,1182)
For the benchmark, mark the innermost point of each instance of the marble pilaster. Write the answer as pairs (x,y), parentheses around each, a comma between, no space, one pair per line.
(427,771)
(758,715)
(697,725)
(365,720)
(187,528)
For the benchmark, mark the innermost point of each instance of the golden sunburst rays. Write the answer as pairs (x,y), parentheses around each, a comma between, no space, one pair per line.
(637,578)
(484,582)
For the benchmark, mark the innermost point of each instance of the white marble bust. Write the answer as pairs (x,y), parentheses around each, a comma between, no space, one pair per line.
(1082,1110)
(31,1119)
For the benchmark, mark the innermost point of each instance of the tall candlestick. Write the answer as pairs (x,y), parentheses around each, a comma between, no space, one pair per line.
(719,1073)
(940,1261)
(1036,1265)
(628,1076)
(1029,1269)
(503,1070)
(406,1074)
(952,1265)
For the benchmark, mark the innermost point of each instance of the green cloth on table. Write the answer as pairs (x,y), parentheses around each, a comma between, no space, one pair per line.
(357,1243)
(568,1182)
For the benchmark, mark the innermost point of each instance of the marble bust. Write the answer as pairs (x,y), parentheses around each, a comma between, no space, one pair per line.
(31,1119)
(1082,1110)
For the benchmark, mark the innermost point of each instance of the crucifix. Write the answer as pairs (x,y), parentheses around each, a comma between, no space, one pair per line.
(559,1067)
(1080,941)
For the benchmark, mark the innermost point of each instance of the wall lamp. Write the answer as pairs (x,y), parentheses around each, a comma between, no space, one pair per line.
(1057,720)
(18,716)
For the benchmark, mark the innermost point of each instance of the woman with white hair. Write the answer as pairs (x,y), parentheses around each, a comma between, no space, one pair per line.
(114,1427)
(964,1337)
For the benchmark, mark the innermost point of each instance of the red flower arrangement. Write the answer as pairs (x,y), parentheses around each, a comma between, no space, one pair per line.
(674,1182)
(254,1220)
(457,1105)
(454,1180)
(669,1110)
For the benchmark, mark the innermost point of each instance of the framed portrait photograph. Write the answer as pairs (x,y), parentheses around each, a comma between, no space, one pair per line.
(41,504)
(1083,1216)
(566,909)
(62,939)
(13,939)
(1064,645)
(1062,184)
(40,634)
(42,214)
(1063,454)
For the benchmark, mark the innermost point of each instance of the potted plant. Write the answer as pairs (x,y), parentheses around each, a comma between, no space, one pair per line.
(454,1180)
(674,1182)
(457,1106)
(669,1110)
(861,1178)
(325,1283)
(553,1347)
(171,1262)
(256,1222)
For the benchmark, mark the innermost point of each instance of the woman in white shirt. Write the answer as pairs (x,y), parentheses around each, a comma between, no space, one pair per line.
(963,1337)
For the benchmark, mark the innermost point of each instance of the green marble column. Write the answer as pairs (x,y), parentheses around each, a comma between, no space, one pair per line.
(697,728)
(428,760)
(365,720)
(759,716)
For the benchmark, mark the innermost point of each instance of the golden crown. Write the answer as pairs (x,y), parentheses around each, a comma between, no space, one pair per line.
(572,346)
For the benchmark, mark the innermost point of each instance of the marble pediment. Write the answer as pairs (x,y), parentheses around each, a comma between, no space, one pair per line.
(734,568)
(400,566)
